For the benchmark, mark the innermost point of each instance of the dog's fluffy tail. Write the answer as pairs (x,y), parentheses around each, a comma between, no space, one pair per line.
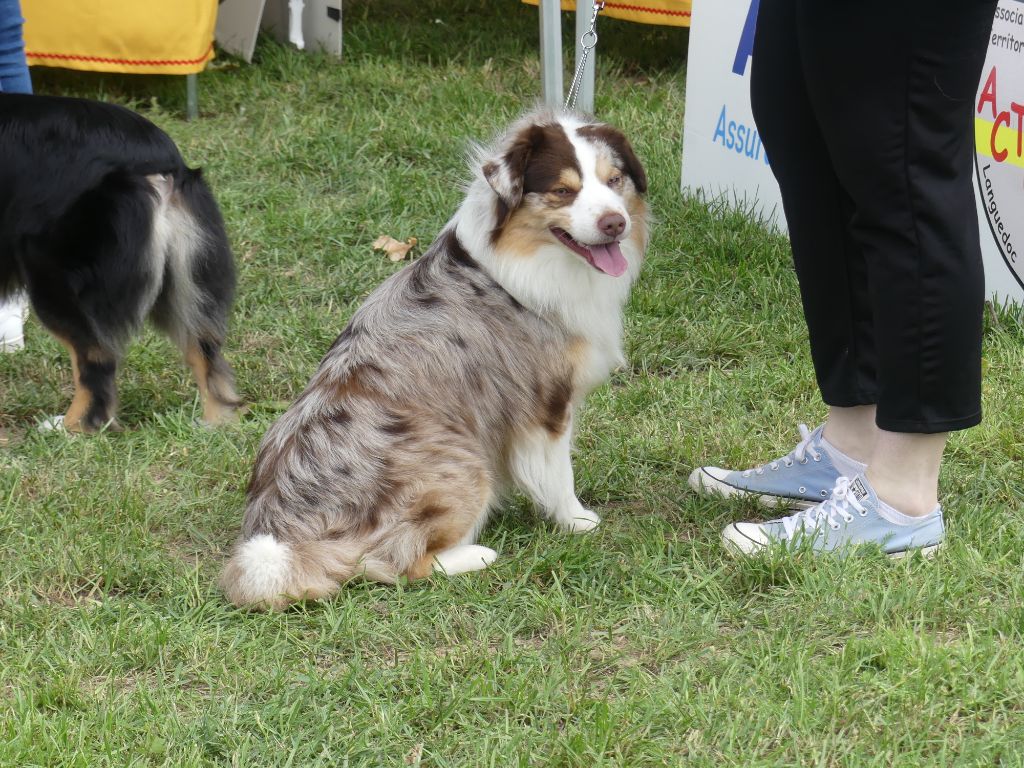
(198,284)
(266,573)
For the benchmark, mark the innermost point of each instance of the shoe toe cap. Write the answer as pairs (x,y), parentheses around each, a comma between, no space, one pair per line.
(711,479)
(745,538)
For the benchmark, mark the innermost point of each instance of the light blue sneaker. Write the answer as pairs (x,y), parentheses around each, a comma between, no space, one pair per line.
(851,516)
(800,479)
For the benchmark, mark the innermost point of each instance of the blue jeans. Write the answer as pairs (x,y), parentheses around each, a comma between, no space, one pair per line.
(13,69)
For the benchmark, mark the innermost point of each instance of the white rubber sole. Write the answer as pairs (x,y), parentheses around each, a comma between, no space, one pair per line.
(705,484)
(923,551)
(12,344)
(13,314)
(52,424)
(740,545)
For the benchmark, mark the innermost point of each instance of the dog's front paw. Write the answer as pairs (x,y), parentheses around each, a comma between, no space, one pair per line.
(464,558)
(582,520)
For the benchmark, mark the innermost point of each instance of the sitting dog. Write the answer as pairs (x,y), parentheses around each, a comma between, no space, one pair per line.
(458,376)
(104,225)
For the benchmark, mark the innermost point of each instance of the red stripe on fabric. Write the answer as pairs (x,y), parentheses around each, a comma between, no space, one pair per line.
(644,9)
(129,62)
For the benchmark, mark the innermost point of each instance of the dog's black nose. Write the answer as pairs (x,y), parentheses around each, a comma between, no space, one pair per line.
(612,224)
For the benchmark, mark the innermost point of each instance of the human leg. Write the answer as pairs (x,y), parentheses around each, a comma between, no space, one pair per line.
(898,127)
(852,430)
(904,470)
(14,78)
(910,186)
(831,273)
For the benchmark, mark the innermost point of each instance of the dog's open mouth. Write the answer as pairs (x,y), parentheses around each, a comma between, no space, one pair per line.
(604,257)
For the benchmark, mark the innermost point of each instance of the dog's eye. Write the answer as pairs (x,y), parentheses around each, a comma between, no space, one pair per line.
(615,180)
(561,191)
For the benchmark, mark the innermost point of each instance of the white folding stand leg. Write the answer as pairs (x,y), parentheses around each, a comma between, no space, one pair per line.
(585,99)
(295,8)
(551,52)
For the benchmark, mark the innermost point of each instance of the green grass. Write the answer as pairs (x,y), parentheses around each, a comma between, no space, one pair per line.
(641,645)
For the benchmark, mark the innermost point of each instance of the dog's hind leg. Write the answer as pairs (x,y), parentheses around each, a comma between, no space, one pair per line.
(93,363)
(94,403)
(215,380)
(199,283)
(450,516)
(92,277)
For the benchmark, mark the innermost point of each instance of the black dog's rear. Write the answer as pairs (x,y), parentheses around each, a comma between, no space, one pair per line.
(104,225)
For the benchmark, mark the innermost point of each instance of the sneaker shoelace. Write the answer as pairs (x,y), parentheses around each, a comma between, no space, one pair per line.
(837,507)
(799,454)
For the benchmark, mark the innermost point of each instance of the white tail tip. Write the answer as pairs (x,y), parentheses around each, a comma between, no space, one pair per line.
(266,563)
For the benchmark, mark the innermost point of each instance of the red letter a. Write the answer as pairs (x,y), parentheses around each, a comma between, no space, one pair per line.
(988,93)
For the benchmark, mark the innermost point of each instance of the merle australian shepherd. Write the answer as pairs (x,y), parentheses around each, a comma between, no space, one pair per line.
(457,378)
(103,225)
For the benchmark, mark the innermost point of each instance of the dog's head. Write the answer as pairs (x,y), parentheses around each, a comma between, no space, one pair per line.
(561,181)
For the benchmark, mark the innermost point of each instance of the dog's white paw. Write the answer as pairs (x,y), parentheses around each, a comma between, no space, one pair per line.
(464,558)
(582,521)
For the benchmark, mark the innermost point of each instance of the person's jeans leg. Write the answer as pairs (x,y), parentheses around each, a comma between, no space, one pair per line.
(14,78)
(14,75)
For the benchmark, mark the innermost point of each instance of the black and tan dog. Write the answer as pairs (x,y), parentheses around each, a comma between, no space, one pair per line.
(104,225)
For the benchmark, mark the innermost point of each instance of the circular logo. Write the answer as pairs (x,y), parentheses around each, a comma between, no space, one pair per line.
(999,148)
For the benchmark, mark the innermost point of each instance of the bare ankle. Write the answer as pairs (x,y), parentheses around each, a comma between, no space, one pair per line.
(852,430)
(904,470)
(912,499)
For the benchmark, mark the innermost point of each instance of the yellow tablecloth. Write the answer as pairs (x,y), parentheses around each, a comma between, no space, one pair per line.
(165,37)
(669,13)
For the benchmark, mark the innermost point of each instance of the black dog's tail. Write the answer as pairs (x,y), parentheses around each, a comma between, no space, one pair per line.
(198,284)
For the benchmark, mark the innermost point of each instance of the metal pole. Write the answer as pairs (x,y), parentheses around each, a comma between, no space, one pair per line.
(551,52)
(192,96)
(585,99)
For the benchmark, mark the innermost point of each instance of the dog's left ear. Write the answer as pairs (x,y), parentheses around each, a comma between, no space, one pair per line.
(507,173)
(619,144)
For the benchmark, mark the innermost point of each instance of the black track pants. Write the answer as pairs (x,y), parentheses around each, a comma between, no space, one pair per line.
(865,109)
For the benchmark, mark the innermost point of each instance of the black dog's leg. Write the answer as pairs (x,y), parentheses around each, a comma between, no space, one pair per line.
(94,404)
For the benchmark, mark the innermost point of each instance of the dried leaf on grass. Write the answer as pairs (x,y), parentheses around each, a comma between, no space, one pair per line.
(415,756)
(395,249)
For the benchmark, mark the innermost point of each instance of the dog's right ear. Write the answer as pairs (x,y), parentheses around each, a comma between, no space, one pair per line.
(507,172)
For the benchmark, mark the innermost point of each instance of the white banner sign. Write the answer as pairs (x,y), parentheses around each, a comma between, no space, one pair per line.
(724,160)
(999,157)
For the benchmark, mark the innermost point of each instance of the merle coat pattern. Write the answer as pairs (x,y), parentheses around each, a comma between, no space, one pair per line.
(457,378)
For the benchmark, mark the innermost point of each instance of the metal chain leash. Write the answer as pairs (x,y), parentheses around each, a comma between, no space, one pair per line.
(588,42)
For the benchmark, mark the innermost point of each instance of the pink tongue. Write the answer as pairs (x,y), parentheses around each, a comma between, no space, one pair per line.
(608,258)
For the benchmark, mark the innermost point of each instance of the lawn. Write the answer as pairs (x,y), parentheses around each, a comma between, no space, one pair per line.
(644,644)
